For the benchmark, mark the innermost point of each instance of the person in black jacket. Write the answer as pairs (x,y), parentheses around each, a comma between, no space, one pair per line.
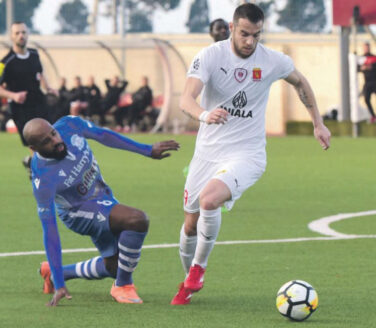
(95,100)
(78,98)
(114,89)
(141,101)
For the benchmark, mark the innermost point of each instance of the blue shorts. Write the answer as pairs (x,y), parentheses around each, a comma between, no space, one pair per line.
(92,218)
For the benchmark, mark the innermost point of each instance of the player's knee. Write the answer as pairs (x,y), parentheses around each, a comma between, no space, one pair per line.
(141,221)
(190,229)
(209,203)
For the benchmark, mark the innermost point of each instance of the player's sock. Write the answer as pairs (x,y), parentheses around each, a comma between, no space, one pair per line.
(208,226)
(187,249)
(130,244)
(91,269)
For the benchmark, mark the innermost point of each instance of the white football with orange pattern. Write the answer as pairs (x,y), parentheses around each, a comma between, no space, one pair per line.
(297,300)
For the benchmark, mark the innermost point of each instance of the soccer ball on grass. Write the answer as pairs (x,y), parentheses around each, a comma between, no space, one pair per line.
(297,300)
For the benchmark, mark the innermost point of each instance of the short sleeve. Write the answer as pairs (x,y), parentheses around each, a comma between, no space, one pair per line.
(284,66)
(202,65)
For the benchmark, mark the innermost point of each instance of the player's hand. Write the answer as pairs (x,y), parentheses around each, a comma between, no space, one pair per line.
(19,97)
(322,134)
(59,294)
(159,149)
(217,116)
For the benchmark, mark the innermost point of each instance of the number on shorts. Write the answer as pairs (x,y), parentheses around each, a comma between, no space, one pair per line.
(104,202)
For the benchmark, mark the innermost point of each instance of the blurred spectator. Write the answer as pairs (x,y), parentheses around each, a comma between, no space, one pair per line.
(114,89)
(78,98)
(5,114)
(94,100)
(368,68)
(219,30)
(140,106)
(58,104)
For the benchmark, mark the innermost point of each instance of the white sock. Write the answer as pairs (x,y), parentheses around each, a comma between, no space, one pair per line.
(187,249)
(208,226)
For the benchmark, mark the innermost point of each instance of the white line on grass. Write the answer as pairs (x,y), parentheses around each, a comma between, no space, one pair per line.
(229,242)
(320,225)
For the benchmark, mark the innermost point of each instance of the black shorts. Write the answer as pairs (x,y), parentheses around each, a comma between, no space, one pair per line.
(21,114)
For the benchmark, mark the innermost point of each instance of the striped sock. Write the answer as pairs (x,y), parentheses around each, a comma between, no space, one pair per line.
(130,244)
(90,269)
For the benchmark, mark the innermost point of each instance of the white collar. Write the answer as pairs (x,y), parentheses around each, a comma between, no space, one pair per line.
(23,56)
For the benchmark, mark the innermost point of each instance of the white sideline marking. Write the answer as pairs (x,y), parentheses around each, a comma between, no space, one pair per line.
(320,225)
(229,242)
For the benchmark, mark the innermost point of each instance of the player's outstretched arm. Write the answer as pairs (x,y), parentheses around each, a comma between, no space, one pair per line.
(306,95)
(160,148)
(189,105)
(115,140)
(58,295)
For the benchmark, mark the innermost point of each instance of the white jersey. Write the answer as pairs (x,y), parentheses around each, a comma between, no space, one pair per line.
(241,87)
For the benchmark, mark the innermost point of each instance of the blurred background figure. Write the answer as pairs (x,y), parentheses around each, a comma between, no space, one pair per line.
(64,99)
(94,101)
(368,68)
(219,30)
(78,97)
(139,107)
(115,87)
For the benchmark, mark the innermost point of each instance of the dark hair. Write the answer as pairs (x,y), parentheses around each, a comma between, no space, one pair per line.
(211,26)
(249,11)
(18,23)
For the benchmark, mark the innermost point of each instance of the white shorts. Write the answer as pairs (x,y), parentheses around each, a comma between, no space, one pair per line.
(238,175)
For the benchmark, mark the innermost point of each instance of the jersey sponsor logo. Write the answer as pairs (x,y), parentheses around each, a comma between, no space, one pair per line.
(62,173)
(239,101)
(77,141)
(185,196)
(256,74)
(101,217)
(240,74)
(88,179)
(71,156)
(81,214)
(2,66)
(76,170)
(36,183)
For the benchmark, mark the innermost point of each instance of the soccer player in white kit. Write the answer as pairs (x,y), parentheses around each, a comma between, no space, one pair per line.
(235,77)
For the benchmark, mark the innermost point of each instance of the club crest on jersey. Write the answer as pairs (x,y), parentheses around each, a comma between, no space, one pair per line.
(256,74)
(240,74)
(77,141)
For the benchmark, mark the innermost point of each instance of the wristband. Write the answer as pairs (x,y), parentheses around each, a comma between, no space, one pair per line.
(203,116)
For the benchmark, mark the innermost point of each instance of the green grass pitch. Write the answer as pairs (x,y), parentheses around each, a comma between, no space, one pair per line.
(302,183)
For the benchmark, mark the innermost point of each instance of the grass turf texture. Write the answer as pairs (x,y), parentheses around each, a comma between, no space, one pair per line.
(301,183)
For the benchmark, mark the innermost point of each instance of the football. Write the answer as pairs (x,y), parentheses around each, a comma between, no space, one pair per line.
(297,300)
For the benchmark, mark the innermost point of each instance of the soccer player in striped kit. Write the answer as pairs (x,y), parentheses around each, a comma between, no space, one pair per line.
(66,175)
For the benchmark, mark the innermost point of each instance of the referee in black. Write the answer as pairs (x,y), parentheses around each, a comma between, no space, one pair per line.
(21,75)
